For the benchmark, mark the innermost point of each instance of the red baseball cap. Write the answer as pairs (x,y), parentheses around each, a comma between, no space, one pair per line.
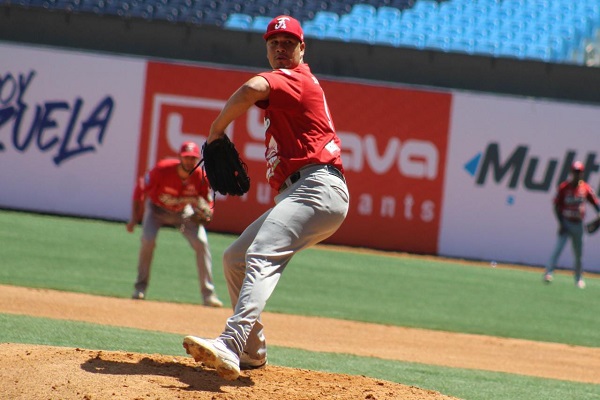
(189,149)
(577,166)
(284,24)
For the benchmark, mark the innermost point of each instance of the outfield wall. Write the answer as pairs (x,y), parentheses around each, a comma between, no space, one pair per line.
(429,171)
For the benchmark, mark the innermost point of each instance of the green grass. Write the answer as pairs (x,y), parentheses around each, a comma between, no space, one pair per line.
(462,383)
(100,257)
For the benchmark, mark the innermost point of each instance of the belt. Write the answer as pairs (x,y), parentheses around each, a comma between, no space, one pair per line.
(293,178)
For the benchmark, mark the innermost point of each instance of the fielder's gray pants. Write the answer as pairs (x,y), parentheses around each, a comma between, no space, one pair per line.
(154,218)
(574,232)
(307,212)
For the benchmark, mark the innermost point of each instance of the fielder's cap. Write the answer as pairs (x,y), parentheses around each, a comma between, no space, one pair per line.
(284,24)
(189,149)
(577,166)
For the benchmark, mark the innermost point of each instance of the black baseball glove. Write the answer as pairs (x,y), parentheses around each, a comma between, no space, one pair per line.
(226,172)
(593,226)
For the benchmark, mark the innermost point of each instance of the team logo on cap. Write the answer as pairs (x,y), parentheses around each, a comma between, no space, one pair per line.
(281,23)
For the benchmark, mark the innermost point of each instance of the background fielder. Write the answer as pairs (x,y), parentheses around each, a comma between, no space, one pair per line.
(569,208)
(170,194)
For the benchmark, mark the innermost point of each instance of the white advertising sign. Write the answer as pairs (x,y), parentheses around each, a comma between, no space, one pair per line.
(506,159)
(69,130)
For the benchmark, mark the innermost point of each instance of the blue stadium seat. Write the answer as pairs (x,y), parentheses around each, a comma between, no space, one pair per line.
(582,23)
(362,34)
(412,39)
(462,45)
(425,27)
(386,15)
(364,10)
(451,8)
(426,6)
(337,32)
(260,23)
(485,47)
(238,21)
(313,29)
(538,51)
(566,35)
(402,26)
(452,31)
(511,49)
(527,37)
(477,32)
(502,36)
(438,42)
(326,17)
(559,46)
(352,20)
(387,38)
(478,11)
(591,9)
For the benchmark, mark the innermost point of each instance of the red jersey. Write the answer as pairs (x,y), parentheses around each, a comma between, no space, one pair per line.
(570,199)
(299,126)
(166,189)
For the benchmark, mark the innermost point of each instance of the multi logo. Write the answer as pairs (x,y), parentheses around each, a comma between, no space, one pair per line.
(519,169)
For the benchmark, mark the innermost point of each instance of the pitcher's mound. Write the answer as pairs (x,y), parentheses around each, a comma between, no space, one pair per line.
(44,372)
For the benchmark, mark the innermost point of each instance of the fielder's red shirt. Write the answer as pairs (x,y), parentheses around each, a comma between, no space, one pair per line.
(166,189)
(570,199)
(299,126)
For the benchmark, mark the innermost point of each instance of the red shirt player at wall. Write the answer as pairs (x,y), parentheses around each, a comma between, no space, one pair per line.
(166,196)
(569,207)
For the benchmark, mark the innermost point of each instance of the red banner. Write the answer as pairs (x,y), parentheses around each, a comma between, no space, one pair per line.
(394,145)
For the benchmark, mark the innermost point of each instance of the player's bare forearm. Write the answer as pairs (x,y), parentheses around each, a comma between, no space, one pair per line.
(256,89)
(135,218)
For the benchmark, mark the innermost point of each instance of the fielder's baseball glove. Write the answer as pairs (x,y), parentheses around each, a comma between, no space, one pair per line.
(593,226)
(226,172)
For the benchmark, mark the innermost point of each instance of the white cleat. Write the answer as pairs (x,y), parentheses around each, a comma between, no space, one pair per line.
(214,354)
(213,301)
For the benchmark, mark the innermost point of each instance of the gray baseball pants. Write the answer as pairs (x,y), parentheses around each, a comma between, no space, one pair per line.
(575,233)
(154,218)
(305,213)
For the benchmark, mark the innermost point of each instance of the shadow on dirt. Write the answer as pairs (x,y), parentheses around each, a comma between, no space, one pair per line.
(197,378)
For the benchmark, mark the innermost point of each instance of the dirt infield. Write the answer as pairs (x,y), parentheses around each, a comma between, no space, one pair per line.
(29,372)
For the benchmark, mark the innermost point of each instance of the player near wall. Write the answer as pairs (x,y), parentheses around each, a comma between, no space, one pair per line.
(569,208)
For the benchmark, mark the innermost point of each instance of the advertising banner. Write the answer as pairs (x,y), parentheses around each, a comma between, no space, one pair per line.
(506,159)
(69,124)
(457,174)
(393,141)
